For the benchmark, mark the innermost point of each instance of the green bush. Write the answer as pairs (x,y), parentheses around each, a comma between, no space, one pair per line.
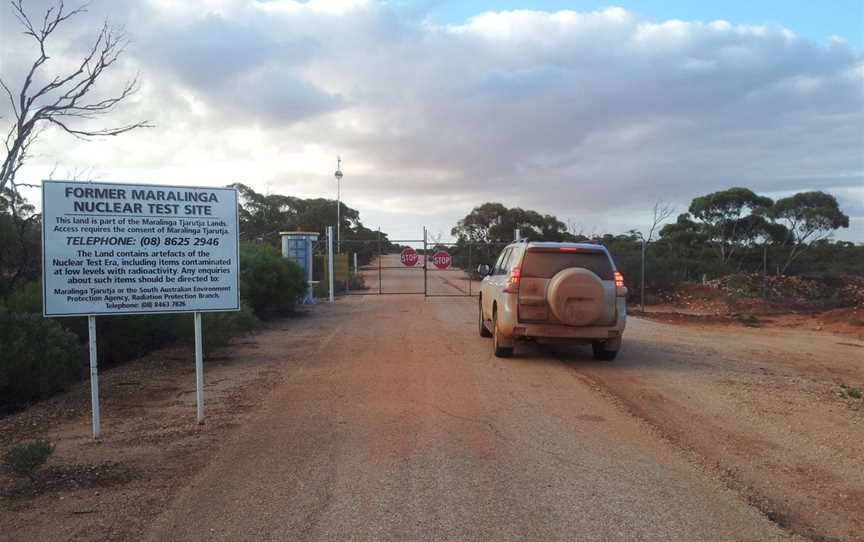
(220,327)
(25,459)
(37,357)
(26,298)
(217,327)
(270,283)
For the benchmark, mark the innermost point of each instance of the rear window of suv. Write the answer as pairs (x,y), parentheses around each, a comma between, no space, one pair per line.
(547,263)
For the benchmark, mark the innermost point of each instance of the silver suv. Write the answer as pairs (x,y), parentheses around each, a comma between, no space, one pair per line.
(553,292)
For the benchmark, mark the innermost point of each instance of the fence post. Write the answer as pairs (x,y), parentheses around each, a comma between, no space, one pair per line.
(330,261)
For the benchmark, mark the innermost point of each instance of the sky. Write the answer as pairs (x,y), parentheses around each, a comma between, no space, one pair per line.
(586,110)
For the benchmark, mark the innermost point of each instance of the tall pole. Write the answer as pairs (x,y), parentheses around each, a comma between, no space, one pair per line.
(330,262)
(642,289)
(338,215)
(338,176)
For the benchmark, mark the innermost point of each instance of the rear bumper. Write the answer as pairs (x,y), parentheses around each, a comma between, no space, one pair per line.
(510,325)
(523,330)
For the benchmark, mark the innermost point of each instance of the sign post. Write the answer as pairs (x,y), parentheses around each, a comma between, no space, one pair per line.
(199,370)
(94,378)
(116,248)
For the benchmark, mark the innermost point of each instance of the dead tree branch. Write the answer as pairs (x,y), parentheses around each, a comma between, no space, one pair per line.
(64,98)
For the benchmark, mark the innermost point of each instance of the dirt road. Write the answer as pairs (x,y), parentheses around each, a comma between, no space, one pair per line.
(404,427)
(388,418)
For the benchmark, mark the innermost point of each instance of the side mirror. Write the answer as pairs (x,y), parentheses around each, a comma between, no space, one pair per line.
(484,270)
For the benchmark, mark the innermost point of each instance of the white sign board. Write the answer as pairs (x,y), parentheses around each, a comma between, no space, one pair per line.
(114,248)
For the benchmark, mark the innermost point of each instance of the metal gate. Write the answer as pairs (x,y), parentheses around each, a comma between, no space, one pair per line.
(384,266)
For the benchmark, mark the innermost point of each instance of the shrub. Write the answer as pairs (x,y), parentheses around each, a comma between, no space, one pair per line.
(26,298)
(217,327)
(25,459)
(270,283)
(38,357)
(749,320)
(220,327)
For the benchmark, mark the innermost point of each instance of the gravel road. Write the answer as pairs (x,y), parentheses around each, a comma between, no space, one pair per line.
(401,425)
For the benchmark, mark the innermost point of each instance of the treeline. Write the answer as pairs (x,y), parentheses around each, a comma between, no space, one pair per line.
(725,232)
(41,356)
(263,216)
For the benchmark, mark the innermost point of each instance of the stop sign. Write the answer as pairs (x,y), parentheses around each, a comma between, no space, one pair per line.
(409,257)
(441,259)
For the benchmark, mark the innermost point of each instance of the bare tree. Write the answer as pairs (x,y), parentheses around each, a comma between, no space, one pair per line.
(63,99)
(662,212)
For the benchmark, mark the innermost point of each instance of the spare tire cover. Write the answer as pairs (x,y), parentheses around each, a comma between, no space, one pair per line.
(575,296)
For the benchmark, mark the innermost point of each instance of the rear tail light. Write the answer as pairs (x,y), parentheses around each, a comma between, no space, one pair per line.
(620,289)
(513,282)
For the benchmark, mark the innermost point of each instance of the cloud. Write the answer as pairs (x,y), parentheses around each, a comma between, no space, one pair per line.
(588,115)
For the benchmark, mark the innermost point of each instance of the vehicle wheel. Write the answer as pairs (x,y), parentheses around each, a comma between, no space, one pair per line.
(600,351)
(500,351)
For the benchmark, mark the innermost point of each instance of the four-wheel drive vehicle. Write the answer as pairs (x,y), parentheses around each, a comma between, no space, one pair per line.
(553,292)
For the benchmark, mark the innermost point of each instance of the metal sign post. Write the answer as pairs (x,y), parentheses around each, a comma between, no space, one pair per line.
(199,369)
(94,378)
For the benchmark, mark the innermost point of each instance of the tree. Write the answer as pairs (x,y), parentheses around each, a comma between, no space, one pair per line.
(481,224)
(62,101)
(265,215)
(20,238)
(662,211)
(724,218)
(810,217)
(495,223)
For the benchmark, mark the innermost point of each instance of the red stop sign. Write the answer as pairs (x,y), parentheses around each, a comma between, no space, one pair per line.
(409,257)
(441,259)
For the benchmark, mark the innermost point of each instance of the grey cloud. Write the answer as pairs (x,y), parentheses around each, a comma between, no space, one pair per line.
(589,114)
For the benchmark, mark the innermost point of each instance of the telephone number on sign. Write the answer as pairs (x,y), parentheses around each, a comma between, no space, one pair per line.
(180,241)
(162,304)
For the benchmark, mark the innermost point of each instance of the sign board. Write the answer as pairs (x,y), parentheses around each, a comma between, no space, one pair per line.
(409,257)
(116,248)
(441,259)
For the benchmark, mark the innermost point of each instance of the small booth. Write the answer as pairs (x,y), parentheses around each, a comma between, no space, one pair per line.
(297,247)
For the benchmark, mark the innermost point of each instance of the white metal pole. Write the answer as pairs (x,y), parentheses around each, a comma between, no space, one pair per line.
(310,260)
(338,217)
(356,269)
(330,261)
(517,234)
(94,379)
(199,369)
(642,288)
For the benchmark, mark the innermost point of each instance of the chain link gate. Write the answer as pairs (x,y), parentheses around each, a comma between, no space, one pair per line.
(426,267)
